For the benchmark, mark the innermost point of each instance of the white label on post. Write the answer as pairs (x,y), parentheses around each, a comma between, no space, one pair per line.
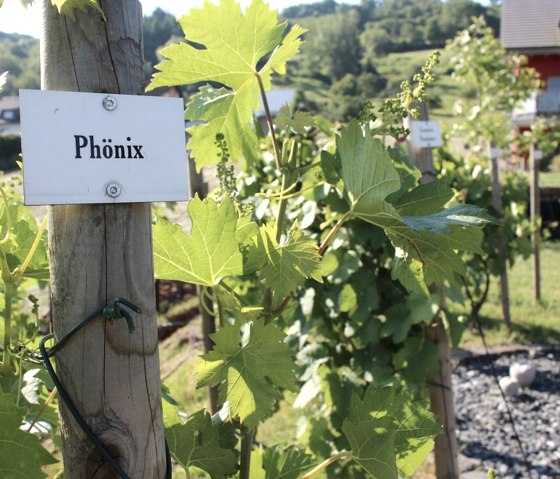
(495,153)
(425,134)
(538,155)
(102,148)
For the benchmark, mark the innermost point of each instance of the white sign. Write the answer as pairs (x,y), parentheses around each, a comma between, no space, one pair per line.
(102,148)
(425,134)
(495,153)
(538,155)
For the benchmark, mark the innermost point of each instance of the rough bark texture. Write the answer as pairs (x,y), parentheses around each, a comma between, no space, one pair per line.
(100,252)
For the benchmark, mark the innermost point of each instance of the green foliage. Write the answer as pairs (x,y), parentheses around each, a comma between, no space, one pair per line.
(275,463)
(378,231)
(233,64)
(10,151)
(253,364)
(22,256)
(389,431)
(501,81)
(200,443)
(215,231)
(22,453)
(287,265)
(19,55)
(68,7)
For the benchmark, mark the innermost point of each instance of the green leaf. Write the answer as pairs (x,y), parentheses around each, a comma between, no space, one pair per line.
(460,214)
(289,264)
(199,443)
(297,122)
(347,299)
(415,428)
(210,253)
(389,432)
(287,463)
(425,246)
(372,444)
(425,199)
(367,171)
(408,173)
(67,7)
(224,112)
(23,233)
(235,44)
(22,454)
(254,365)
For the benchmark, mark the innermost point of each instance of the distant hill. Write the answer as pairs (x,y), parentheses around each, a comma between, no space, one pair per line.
(343,61)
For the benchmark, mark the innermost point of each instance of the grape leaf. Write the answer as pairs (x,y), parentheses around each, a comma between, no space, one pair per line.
(460,214)
(288,463)
(389,432)
(372,444)
(415,428)
(22,453)
(201,444)
(67,7)
(288,264)
(427,238)
(255,365)
(235,44)
(368,173)
(298,121)
(210,253)
(424,199)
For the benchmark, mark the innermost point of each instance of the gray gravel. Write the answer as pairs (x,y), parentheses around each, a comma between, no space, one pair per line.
(483,426)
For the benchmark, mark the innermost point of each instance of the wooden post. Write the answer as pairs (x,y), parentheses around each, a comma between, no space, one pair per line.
(502,247)
(535,215)
(98,252)
(446,451)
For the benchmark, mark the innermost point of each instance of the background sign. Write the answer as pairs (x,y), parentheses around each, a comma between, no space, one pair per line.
(425,134)
(102,148)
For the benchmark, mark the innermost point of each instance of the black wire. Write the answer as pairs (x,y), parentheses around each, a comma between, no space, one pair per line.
(508,409)
(74,411)
(110,313)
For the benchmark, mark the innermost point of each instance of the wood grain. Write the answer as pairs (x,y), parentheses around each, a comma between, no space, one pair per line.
(98,252)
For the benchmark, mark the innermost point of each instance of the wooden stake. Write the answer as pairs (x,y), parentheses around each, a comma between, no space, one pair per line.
(535,215)
(99,252)
(502,247)
(446,450)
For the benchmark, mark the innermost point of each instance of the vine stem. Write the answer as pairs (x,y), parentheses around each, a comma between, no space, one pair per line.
(332,233)
(287,182)
(43,407)
(6,362)
(18,273)
(326,463)
(246,448)
(277,154)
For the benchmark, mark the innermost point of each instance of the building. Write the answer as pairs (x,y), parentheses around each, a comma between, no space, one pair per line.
(9,115)
(532,28)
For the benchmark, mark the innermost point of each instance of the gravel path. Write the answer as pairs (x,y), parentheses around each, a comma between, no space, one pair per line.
(483,426)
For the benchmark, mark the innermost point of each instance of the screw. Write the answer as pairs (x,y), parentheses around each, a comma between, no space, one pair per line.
(113,190)
(109,103)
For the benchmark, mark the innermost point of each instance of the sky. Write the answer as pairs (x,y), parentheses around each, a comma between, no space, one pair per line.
(16,19)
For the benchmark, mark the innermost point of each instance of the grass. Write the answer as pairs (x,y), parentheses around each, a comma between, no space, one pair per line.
(536,322)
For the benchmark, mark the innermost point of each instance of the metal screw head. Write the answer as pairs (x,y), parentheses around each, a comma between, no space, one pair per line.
(113,190)
(109,103)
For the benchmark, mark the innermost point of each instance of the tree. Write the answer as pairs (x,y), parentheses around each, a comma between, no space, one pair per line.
(159,27)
